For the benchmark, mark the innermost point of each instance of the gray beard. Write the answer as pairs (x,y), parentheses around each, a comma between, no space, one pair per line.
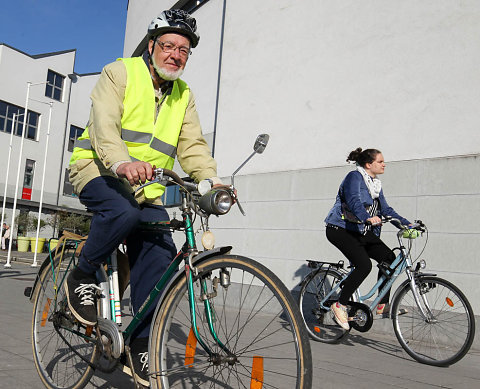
(165,74)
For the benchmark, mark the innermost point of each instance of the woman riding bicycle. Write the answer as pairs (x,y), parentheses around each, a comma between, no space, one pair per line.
(353,225)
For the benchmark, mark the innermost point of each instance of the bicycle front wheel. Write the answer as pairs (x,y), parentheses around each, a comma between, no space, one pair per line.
(445,334)
(59,353)
(253,315)
(320,322)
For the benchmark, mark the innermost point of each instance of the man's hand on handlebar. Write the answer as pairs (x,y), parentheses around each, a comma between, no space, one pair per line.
(136,173)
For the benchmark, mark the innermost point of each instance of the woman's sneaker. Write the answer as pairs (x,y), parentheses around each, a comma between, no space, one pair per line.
(81,290)
(139,351)
(341,315)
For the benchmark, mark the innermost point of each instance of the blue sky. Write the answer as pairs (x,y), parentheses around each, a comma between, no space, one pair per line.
(95,28)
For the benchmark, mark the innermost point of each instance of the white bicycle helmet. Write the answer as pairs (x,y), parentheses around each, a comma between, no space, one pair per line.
(175,20)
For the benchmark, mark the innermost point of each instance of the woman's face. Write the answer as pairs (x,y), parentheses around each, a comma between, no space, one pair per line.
(376,167)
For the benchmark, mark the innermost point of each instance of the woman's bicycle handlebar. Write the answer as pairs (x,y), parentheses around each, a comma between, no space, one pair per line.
(416,225)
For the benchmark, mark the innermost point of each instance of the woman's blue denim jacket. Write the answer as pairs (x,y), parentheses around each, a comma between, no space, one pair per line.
(355,197)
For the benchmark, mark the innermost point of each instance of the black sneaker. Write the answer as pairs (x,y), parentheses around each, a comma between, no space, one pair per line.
(81,296)
(139,350)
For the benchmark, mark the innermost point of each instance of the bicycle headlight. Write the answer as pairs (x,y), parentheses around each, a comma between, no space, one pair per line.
(216,202)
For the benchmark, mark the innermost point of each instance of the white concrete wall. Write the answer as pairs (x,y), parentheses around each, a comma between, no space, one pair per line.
(324,78)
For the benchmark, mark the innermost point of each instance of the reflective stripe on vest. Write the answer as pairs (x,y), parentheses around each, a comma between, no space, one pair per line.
(138,137)
(149,140)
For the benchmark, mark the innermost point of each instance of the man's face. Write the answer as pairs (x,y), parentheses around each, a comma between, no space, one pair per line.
(170,55)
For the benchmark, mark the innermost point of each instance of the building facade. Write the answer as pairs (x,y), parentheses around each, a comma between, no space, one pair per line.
(323,78)
(55,91)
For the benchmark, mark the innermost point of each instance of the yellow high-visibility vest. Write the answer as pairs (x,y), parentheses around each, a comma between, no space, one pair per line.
(147,139)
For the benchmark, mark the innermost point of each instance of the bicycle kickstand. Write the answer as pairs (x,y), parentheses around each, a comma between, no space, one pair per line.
(130,363)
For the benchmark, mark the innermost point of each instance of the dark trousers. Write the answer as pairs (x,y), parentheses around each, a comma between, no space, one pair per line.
(116,215)
(358,249)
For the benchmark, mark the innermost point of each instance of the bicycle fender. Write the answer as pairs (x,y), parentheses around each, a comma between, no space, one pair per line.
(198,259)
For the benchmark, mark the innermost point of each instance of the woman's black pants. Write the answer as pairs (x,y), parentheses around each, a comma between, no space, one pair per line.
(358,249)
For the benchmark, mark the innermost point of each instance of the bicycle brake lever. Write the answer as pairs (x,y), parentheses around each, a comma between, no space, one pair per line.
(158,179)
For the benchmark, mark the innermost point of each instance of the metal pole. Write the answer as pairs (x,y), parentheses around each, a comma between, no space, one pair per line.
(12,227)
(34,264)
(8,169)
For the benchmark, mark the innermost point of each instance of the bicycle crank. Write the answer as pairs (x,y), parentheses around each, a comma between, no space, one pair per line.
(360,316)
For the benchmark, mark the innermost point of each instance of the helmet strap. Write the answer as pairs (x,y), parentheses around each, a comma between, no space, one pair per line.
(150,55)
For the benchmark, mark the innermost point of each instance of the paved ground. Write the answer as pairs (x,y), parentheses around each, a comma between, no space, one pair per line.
(370,360)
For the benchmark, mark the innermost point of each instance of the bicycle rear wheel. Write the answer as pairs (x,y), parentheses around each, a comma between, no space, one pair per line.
(447,334)
(58,363)
(255,317)
(320,322)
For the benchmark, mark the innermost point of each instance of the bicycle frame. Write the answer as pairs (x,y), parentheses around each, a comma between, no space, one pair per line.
(186,253)
(401,263)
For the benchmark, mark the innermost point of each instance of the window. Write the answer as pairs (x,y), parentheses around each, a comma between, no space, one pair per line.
(67,186)
(54,87)
(171,197)
(28,179)
(75,132)
(7,111)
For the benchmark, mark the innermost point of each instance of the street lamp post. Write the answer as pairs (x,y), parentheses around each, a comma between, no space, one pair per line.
(34,264)
(29,84)
(8,167)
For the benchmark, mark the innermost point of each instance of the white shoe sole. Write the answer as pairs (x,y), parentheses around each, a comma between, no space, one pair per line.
(75,313)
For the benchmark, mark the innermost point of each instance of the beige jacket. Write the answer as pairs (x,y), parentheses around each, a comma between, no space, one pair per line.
(104,128)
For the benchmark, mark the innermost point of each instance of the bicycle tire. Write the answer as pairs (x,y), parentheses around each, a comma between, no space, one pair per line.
(448,337)
(57,365)
(320,323)
(255,317)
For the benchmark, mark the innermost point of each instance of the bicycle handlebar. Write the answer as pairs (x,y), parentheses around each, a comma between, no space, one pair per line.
(175,177)
(417,225)
(158,177)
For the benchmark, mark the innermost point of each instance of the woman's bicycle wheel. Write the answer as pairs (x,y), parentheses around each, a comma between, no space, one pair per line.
(446,335)
(60,353)
(320,322)
(254,316)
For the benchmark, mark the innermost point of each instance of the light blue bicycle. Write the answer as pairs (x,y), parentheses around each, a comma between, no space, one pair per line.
(432,318)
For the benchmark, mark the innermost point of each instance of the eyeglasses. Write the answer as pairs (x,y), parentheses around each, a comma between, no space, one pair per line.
(169,47)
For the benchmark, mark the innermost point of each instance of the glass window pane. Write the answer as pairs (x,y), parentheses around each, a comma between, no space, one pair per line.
(19,128)
(8,126)
(57,94)
(59,81)
(2,124)
(32,132)
(3,108)
(48,91)
(32,118)
(50,77)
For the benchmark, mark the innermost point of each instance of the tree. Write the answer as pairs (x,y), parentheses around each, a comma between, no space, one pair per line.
(72,222)
(28,223)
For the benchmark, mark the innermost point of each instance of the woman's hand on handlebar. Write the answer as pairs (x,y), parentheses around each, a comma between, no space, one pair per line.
(374,221)
(136,173)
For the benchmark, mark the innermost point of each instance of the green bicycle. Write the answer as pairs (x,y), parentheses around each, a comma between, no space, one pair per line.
(222,320)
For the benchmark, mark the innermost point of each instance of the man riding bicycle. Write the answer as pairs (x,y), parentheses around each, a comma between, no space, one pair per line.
(142,116)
